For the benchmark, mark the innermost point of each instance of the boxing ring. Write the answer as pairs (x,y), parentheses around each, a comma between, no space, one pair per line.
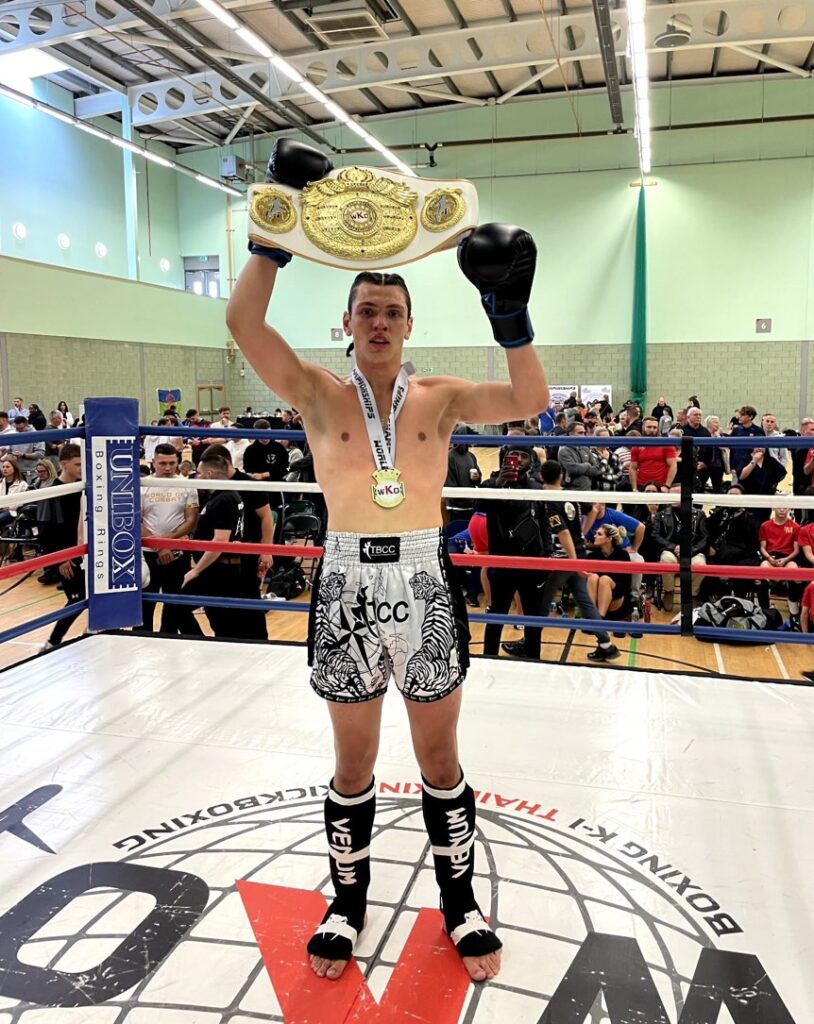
(643,843)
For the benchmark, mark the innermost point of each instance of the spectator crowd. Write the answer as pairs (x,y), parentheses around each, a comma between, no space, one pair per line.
(644,531)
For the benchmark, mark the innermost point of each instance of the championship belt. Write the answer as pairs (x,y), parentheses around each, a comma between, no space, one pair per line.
(363,218)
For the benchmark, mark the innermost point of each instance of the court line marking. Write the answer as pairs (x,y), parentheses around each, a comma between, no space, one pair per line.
(719,659)
(780,663)
(631,656)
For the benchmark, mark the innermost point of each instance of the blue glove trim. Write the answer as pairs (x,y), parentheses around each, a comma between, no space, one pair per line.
(512,329)
(278,256)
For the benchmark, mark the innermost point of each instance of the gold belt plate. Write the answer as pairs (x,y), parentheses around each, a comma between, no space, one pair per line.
(358,215)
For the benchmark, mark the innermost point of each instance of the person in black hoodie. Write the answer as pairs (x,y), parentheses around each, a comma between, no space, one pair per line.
(514,529)
(462,471)
(733,540)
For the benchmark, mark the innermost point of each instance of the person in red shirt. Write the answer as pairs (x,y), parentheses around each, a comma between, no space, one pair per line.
(652,465)
(779,547)
(806,614)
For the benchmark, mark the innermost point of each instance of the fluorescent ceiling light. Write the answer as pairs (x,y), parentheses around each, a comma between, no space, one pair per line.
(156,159)
(20,68)
(207,181)
(255,42)
(59,115)
(220,13)
(89,128)
(287,69)
(17,97)
(312,90)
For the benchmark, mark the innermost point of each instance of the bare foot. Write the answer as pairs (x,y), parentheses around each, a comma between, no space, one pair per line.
(331,969)
(482,968)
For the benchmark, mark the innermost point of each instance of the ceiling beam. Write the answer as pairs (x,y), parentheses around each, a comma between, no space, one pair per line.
(767,58)
(411,60)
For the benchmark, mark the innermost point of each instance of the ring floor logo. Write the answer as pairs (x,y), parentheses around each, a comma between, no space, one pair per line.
(199,910)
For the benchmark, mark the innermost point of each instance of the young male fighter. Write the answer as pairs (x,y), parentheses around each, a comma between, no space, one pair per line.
(384,605)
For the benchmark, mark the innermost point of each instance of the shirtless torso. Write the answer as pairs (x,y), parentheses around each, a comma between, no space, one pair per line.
(343,463)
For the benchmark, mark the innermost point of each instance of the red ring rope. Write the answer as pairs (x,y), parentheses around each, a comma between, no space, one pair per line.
(42,562)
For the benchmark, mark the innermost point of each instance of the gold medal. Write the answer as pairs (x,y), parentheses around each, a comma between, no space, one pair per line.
(388,491)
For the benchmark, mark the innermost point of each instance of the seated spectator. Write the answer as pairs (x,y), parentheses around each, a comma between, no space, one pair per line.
(655,465)
(603,515)
(608,462)
(11,482)
(610,592)
(680,420)
(770,429)
(461,544)
(745,427)
(694,427)
(67,415)
(778,548)
(580,466)
(661,408)
(546,420)
(799,458)
(152,441)
(479,535)
(605,408)
(187,468)
(666,530)
(733,540)
(462,471)
(713,463)
(623,457)
(46,474)
(761,475)
(36,417)
(807,617)
(30,452)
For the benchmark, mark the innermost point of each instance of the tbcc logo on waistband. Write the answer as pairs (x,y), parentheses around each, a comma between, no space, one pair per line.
(379,549)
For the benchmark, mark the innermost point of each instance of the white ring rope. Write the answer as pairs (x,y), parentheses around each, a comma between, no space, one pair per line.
(40,494)
(510,493)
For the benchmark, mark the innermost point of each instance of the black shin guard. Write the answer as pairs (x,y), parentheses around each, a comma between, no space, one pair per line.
(449,815)
(349,826)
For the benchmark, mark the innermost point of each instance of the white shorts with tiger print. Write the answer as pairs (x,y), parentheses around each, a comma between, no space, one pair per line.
(387,606)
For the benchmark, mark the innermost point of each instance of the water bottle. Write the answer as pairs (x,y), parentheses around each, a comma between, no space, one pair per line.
(647,609)
(552,609)
(634,615)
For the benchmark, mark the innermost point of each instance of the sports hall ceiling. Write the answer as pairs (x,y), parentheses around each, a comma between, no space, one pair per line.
(190,80)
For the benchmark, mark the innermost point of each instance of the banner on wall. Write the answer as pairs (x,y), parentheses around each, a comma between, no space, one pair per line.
(560,392)
(595,392)
(114,513)
(167,397)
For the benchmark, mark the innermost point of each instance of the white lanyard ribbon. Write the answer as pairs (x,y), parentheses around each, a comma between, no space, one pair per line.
(382,440)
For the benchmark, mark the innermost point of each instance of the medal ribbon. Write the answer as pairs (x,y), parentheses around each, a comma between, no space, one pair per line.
(382,439)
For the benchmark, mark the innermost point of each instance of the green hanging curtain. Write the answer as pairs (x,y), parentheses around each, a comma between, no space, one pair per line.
(638,337)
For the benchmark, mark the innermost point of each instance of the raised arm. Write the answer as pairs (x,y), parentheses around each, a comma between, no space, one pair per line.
(499,260)
(277,364)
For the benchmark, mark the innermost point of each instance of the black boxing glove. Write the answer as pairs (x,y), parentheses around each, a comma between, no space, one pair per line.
(499,259)
(294,164)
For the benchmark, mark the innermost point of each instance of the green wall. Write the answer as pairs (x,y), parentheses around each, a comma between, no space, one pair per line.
(730,239)
(56,179)
(38,299)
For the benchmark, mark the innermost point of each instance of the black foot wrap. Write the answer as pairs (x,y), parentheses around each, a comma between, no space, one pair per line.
(349,827)
(335,938)
(470,931)
(449,815)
